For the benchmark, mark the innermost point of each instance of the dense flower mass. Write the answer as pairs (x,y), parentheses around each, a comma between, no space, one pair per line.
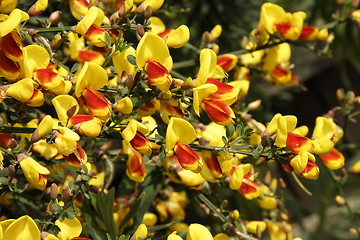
(118,122)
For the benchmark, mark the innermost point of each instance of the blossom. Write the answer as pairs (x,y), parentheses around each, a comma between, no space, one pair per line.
(281,125)
(179,133)
(87,125)
(174,38)
(66,140)
(23,228)
(134,134)
(152,55)
(92,77)
(198,232)
(274,19)
(34,173)
(135,166)
(90,28)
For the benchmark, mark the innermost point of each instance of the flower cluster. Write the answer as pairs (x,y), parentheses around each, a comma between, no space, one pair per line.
(102,136)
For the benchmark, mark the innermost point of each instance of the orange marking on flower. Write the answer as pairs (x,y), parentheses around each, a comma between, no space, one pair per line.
(80,118)
(155,70)
(165,33)
(11,45)
(141,143)
(222,88)
(88,55)
(226,62)
(297,143)
(213,164)
(47,78)
(95,100)
(283,28)
(188,157)
(173,110)
(135,164)
(307,31)
(8,67)
(218,112)
(334,159)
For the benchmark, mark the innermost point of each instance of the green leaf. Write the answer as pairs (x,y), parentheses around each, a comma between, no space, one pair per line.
(131,59)
(74,68)
(149,189)
(230,131)
(103,204)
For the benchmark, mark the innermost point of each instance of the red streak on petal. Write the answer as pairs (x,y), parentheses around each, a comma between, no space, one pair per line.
(279,72)
(155,69)
(294,142)
(283,28)
(334,155)
(139,141)
(7,65)
(226,63)
(136,164)
(95,100)
(88,55)
(222,87)
(45,77)
(310,165)
(212,163)
(165,33)
(93,31)
(80,118)
(11,46)
(217,111)
(306,32)
(187,156)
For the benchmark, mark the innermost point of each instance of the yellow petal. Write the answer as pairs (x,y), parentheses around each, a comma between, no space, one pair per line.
(62,104)
(200,93)
(141,232)
(91,76)
(324,128)
(121,62)
(207,66)
(179,37)
(69,228)
(45,126)
(179,130)
(155,5)
(94,16)
(23,228)
(21,90)
(198,232)
(237,178)
(157,25)
(252,226)
(173,236)
(35,57)
(152,47)
(129,132)
(16,16)
(41,5)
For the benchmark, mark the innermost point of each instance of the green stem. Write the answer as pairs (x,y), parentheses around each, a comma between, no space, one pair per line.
(212,207)
(297,180)
(184,64)
(353,216)
(221,149)
(6,129)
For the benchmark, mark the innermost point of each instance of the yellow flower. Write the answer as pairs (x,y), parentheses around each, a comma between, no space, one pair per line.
(23,228)
(198,232)
(281,125)
(253,226)
(16,16)
(34,173)
(69,228)
(152,55)
(207,66)
(141,232)
(66,141)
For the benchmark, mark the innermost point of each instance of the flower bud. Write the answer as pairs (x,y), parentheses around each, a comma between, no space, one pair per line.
(148,12)
(53,191)
(55,16)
